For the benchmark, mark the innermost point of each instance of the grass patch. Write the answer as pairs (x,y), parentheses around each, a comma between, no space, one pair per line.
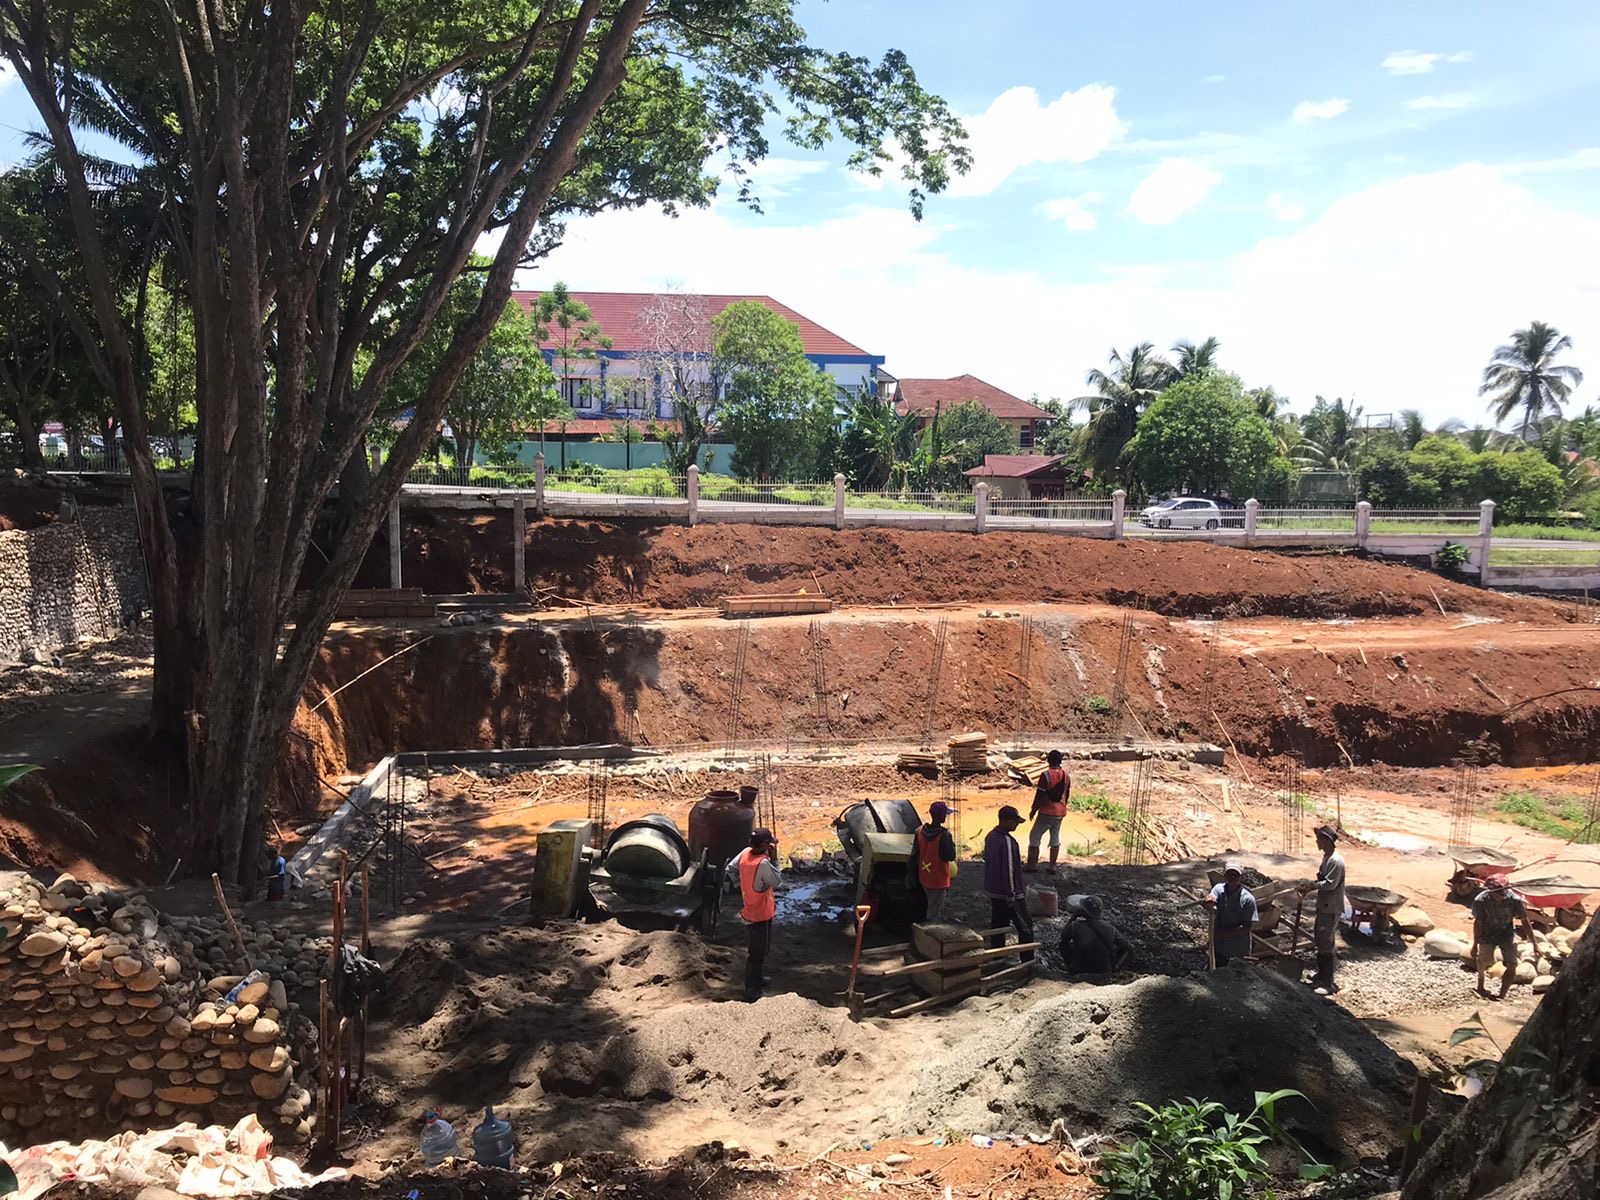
(1098,705)
(1101,806)
(1558,816)
(1516,556)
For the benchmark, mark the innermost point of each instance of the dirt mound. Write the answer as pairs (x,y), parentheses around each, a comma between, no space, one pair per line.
(677,567)
(1089,1053)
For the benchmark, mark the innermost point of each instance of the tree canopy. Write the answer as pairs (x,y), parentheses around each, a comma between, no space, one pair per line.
(779,408)
(1202,435)
(1523,376)
(321,176)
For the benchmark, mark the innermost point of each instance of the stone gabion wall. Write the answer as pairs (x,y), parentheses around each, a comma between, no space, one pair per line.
(109,1021)
(64,583)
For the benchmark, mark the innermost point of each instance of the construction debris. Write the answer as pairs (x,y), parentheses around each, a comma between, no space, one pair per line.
(917,760)
(969,752)
(774,605)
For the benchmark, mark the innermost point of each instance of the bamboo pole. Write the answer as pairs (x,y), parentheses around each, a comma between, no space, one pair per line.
(222,903)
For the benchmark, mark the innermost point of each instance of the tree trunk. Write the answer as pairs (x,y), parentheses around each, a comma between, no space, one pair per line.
(28,433)
(1505,1143)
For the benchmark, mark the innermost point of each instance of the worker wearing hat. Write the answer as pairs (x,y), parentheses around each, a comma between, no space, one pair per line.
(933,859)
(758,888)
(1049,807)
(1002,880)
(1329,887)
(1235,909)
(1495,913)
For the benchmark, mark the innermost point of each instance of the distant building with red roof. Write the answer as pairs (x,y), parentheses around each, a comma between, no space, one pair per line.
(927,396)
(591,384)
(1024,476)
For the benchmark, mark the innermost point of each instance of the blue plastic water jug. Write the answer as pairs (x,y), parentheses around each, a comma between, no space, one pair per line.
(493,1141)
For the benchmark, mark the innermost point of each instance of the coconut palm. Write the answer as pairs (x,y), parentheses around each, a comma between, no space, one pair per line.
(1192,359)
(1412,429)
(1523,375)
(1121,393)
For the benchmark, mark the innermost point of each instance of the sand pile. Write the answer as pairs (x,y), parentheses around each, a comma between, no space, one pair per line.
(1088,1054)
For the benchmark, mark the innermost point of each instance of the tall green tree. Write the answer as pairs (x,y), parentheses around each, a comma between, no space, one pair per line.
(1523,376)
(1128,385)
(311,163)
(957,440)
(497,398)
(779,407)
(1190,359)
(876,437)
(1331,435)
(575,336)
(1202,435)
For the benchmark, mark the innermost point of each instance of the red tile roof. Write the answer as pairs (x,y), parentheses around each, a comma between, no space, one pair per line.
(1013,466)
(921,395)
(620,316)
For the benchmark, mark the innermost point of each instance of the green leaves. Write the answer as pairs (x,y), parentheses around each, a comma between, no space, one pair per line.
(1197,1150)
(1203,436)
(10,775)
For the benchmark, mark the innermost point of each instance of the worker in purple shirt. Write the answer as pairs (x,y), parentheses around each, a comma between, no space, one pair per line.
(1002,880)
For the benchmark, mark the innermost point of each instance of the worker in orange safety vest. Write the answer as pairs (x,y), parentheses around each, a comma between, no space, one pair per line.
(1049,806)
(933,859)
(758,888)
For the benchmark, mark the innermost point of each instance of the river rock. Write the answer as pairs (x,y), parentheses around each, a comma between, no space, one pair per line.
(254,993)
(1543,983)
(264,1030)
(134,1087)
(42,943)
(1441,944)
(126,965)
(269,1058)
(187,1094)
(1525,973)
(1411,919)
(269,1087)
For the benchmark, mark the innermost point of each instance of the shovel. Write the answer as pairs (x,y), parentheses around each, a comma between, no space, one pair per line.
(863,911)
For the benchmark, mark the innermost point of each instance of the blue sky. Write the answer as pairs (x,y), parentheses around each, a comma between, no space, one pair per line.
(1361,201)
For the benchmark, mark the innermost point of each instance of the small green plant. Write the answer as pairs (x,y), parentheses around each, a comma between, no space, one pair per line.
(1198,1150)
(1451,558)
(1081,849)
(1560,817)
(1098,705)
(1101,806)
(10,775)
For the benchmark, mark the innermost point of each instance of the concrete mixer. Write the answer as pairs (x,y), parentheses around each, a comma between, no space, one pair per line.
(648,874)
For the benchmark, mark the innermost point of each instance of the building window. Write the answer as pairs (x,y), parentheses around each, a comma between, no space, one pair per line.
(580,393)
(1025,435)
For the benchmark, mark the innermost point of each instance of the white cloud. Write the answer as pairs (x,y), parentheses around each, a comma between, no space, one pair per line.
(1073,212)
(1462,56)
(1284,209)
(1172,189)
(1213,79)
(1017,131)
(1384,258)
(1320,110)
(1410,62)
(773,177)
(1587,159)
(1450,100)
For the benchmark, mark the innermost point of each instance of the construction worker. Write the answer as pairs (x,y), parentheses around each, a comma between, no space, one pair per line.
(933,859)
(1234,908)
(1091,945)
(1049,806)
(1495,913)
(278,877)
(1330,907)
(1002,880)
(758,888)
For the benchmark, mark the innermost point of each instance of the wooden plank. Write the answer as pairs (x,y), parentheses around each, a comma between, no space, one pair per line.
(957,962)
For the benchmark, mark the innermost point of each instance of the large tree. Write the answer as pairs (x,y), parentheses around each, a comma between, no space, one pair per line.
(1202,435)
(1189,359)
(1523,376)
(1125,389)
(323,174)
(778,404)
(683,356)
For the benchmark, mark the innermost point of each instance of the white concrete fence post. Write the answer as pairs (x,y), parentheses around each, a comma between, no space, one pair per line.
(838,501)
(980,508)
(538,483)
(394,545)
(1363,523)
(1485,537)
(1119,509)
(693,492)
(1252,514)
(519,543)
(375,457)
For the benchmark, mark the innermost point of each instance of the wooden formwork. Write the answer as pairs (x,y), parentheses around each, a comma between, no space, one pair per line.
(942,963)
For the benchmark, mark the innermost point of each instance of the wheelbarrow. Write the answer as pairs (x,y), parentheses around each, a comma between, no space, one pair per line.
(1474,864)
(1561,895)
(1373,906)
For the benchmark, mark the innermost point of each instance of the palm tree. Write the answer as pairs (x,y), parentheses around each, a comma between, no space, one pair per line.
(876,438)
(1523,374)
(1193,359)
(1121,393)
(1412,427)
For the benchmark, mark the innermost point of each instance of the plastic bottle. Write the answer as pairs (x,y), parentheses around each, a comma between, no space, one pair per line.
(493,1141)
(438,1139)
(983,1141)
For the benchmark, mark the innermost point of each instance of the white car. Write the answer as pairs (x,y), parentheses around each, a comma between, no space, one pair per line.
(1182,512)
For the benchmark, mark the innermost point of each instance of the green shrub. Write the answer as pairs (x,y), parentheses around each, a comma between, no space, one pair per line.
(1197,1150)
(1451,558)
(1098,705)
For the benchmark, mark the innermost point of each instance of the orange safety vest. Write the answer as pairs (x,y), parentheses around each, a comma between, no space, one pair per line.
(1054,780)
(758,906)
(932,871)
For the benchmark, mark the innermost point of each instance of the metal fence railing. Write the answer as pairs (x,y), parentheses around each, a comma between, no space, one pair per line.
(1424,520)
(653,483)
(792,495)
(904,500)
(1299,520)
(1087,512)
